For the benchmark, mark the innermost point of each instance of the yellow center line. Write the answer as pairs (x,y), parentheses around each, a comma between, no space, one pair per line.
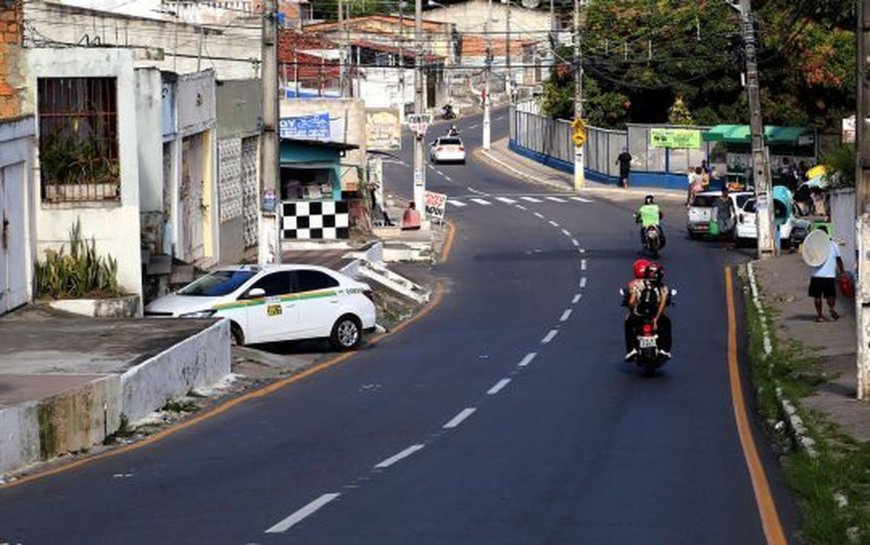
(434,302)
(770,522)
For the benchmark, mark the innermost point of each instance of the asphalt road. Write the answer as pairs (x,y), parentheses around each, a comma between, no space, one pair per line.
(505,416)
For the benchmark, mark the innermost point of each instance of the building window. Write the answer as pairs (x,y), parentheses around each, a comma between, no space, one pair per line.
(78,140)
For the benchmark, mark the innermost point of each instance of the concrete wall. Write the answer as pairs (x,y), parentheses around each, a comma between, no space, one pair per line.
(239,107)
(149,125)
(354,110)
(471,17)
(115,226)
(198,361)
(68,422)
(11,81)
(233,51)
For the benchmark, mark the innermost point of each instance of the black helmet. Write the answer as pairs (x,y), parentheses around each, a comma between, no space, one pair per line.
(649,199)
(655,272)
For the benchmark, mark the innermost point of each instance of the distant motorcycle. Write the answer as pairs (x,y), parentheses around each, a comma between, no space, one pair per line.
(652,241)
(447,112)
(649,356)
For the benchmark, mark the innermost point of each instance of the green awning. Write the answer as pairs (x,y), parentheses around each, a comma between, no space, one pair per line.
(773,135)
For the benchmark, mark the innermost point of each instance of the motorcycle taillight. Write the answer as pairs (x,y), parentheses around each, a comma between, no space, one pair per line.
(647,329)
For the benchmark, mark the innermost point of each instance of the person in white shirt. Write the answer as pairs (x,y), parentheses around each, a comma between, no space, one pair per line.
(823,283)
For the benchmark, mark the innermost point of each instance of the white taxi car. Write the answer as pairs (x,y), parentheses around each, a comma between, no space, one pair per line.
(447,149)
(277,303)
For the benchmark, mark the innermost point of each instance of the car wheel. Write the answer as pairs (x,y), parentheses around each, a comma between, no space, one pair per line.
(346,333)
(694,236)
(237,336)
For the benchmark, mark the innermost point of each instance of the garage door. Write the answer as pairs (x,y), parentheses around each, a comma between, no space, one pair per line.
(13,267)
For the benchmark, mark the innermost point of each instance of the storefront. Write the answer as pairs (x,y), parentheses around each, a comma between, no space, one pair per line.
(311,189)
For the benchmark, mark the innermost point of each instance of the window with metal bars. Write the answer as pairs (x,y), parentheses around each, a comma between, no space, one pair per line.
(78,140)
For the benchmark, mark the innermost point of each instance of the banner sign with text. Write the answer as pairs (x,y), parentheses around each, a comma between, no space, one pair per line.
(674,138)
(435,204)
(383,131)
(306,127)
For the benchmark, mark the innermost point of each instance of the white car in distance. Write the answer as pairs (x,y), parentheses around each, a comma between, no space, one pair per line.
(447,149)
(277,303)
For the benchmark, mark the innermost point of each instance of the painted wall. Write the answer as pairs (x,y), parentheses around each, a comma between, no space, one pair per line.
(198,361)
(149,125)
(471,16)
(115,226)
(159,37)
(842,212)
(239,106)
(354,110)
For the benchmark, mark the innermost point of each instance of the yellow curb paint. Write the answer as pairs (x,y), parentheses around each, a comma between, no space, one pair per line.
(770,522)
(448,244)
(437,297)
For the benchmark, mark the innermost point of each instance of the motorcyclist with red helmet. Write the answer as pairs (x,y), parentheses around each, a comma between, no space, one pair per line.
(652,279)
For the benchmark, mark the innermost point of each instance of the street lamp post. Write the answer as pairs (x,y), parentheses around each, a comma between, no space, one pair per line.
(419,161)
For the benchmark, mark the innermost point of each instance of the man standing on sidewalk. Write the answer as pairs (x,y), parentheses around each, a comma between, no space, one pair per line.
(624,162)
(823,282)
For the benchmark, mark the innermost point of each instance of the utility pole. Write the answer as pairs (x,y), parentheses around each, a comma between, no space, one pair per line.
(579,159)
(419,107)
(760,162)
(269,242)
(401,62)
(509,83)
(342,59)
(862,210)
(487,74)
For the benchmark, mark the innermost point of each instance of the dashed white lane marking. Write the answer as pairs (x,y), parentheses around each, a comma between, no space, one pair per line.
(300,515)
(583,282)
(521,207)
(531,199)
(498,118)
(458,419)
(574,241)
(400,456)
(566,315)
(527,359)
(505,200)
(481,201)
(448,178)
(473,127)
(498,386)
(566,233)
(550,336)
(582,264)
(576,299)
(539,215)
(555,199)
(580,199)
(460,204)
(476,192)
(439,172)
(582,250)
(553,223)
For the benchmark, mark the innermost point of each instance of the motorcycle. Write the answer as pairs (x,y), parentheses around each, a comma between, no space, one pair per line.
(652,241)
(649,356)
(447,112)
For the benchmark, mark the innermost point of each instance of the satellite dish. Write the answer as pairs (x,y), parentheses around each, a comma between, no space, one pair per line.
(530,4)
(816,248)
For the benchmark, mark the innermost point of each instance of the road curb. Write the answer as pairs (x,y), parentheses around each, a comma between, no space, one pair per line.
(793,421)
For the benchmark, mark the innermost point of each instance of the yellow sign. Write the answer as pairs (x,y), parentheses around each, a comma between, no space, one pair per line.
(273,310)
(579,136)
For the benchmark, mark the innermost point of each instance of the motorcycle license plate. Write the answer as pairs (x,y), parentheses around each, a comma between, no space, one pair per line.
(647,342)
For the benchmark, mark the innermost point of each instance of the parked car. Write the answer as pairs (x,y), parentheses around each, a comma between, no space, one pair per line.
(792,230)
(447,149)
(277,303)
(702,210)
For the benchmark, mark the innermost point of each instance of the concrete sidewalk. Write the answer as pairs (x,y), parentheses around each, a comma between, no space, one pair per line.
(500,156)
(784,282)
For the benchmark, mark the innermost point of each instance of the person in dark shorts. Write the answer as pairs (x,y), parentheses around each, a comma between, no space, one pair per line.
(624,162)
(823,283)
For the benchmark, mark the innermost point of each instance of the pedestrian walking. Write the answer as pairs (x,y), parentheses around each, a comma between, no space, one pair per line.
(823,282)
(725,219)
(624,162)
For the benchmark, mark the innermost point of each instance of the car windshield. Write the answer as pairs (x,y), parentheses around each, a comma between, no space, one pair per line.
(450,142)
(704,201)
(741,200)
(217,283)
(749,207)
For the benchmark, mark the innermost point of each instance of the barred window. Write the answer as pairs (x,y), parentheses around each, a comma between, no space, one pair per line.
(78,140)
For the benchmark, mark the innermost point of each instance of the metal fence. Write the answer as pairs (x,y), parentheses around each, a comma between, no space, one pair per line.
(552,138)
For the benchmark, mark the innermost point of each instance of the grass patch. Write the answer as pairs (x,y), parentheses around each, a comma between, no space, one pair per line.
(175,406)
(833,489)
